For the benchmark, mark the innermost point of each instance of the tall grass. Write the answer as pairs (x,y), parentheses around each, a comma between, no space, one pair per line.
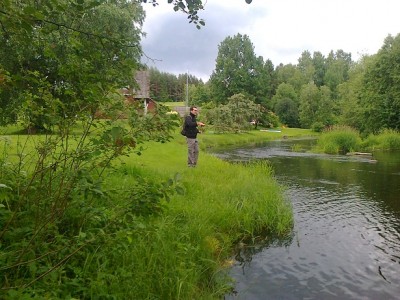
(342,139)
(186,250)
(387,140)
(339,139)
(182,252)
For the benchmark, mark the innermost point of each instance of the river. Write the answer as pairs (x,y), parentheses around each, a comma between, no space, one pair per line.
(345,242)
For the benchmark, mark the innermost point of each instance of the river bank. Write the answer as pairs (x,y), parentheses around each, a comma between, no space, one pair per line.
(223,204)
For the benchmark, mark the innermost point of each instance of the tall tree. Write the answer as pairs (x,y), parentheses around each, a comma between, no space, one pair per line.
(309,105)
(319,66)
(290,74)
(350,97)
(238,70)
(306,67)
(169,87)
(381,88)
(317,105)
(199,94)
(285,105)
(337,67)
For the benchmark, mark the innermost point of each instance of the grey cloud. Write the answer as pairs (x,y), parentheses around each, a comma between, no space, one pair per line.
(182,47)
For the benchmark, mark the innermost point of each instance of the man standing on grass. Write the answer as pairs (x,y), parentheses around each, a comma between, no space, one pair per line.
(191,136)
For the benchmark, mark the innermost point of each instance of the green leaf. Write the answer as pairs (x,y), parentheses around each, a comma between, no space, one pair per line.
(180,190)
(3,186)
(181,5)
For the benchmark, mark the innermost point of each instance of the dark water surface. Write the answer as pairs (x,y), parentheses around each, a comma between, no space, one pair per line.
(346,238)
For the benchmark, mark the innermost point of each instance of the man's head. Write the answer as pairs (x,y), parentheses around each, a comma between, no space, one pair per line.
(194,110)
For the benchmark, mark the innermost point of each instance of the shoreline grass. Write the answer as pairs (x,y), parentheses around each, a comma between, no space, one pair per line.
(185,252)
(223,204)
(342,139)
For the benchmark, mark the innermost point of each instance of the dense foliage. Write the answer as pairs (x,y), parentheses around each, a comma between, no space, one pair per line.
(166,87)
(380,93)
(235,116)
(238,70)
(61,63)
(66,60)
(317,92)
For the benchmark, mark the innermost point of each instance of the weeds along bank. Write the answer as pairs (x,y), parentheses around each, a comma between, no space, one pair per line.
(189,249)
(343,139)
(223,203)
(153,229)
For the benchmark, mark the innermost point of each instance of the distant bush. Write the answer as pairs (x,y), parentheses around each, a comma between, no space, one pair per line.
(388,139)
(339,139)
(318,127)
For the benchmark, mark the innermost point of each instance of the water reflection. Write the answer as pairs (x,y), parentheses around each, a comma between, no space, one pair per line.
(346,238)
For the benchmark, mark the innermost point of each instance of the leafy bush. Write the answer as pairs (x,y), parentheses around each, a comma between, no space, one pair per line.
(318,127)
(234,116)
(270,120)
(55,209)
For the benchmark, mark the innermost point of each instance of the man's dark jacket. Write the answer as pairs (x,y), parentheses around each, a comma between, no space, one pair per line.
(191,126)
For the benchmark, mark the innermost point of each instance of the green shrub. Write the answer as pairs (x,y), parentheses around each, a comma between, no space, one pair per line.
(339,139)
(318,127)
(388,139)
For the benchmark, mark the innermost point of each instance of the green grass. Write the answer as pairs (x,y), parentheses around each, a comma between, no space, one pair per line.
(338,140)
(173,104)
(342,139)
(223,204)
(386,140)
(183,253)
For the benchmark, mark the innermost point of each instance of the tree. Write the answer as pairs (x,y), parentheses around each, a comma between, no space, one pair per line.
(309,105)
(199,94)
(284,91)
(235,116)
(350,95)
(286,105)
(381,88)
(317,105)
(68,61)
(328,109)
(290,74)
(337,68)
(306,67)
(60,64)
(169,87)
(288,112)
(319,66)
(238,70)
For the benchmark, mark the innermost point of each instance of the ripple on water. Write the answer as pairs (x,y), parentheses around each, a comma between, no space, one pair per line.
(343,250)
(346,240)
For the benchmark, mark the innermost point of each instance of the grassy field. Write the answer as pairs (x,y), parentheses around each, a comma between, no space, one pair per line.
(173,104)
(181,253)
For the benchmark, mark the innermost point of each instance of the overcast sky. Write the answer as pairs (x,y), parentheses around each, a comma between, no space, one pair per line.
(280,30)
